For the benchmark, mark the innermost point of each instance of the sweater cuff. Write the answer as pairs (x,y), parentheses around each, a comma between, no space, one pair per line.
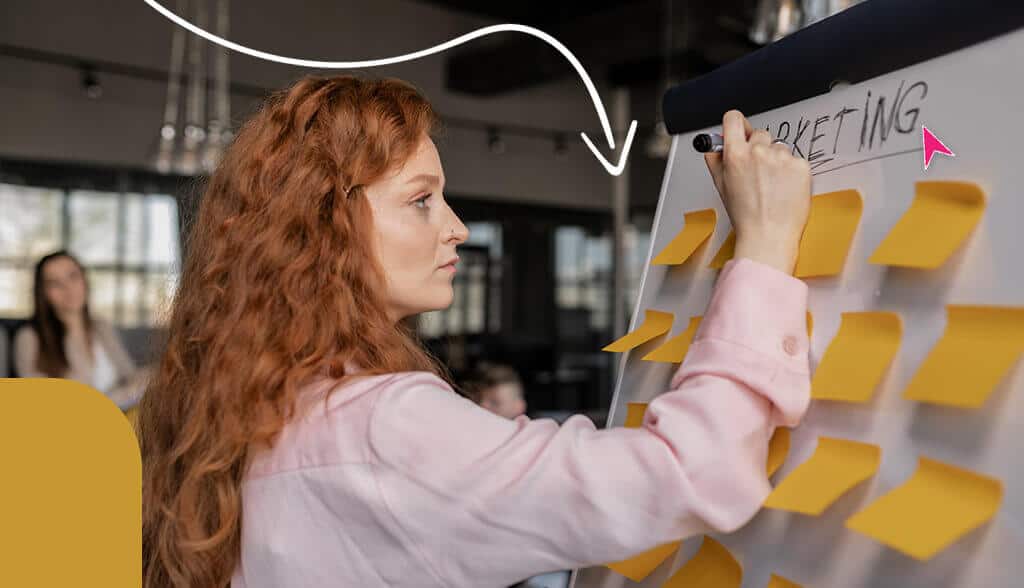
(761,308)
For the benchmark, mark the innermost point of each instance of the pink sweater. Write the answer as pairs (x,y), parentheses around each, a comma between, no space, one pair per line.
(399,481)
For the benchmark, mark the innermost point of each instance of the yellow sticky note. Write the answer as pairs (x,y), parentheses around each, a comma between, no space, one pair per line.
(639,567)
(635,414)
(655,323)
(726,252)
(674,350)
(810,324)
(938,504)
(836,466)
(977,349)
(778,449)
(941,217)
(780,582)
(830,227)
(712,567)
(697,227)
(858,357)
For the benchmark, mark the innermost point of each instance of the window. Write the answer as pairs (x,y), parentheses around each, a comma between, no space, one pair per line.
(30,227)
(583,271)
(128,243)
(583,274)
(638,244)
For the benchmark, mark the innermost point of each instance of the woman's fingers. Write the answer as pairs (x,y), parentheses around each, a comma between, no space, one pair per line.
(748,129)
(714,163)
(735,129)
(760,137)
(765,189)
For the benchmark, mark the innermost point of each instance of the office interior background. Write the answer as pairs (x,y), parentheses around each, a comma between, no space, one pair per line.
(112,117)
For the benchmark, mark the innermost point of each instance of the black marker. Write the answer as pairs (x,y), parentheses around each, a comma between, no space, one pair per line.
(708,142)
(713,142)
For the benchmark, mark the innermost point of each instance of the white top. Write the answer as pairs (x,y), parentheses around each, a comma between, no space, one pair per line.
(103,367)
(104,374)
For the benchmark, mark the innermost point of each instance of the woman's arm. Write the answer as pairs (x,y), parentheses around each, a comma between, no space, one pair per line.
(128,393)
(111,341)
(131,381)
(26,353)
(511,498)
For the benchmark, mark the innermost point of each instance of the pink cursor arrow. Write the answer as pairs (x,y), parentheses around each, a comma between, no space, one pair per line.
(933,145)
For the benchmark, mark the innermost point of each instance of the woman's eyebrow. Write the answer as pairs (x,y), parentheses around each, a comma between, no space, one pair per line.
(425,178)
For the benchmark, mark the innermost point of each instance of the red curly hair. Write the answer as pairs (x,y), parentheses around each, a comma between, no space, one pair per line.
(281,285)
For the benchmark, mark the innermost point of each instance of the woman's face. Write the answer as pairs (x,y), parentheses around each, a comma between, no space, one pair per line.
(64,286)
(416,234)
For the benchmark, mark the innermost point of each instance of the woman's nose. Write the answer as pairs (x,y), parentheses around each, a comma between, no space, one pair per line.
(458,231)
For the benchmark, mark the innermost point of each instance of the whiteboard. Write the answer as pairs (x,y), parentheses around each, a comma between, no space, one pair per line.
(973,103)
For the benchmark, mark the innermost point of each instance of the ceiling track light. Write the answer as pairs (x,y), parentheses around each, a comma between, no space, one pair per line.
(561,145)
(91,83)
(495,143)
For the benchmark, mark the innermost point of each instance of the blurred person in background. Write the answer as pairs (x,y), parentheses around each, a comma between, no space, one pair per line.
(497,388)
(63,340)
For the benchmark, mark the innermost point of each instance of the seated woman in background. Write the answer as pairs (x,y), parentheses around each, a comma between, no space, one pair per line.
(496,388)
(62,340)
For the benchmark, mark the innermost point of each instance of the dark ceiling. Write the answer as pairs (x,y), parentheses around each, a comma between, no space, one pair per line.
(624,42)
(537,13)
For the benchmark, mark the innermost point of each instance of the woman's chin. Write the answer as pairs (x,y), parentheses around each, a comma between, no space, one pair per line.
(440,302)
(443,302)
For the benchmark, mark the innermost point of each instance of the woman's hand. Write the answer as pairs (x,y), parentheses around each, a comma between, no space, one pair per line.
(766,191)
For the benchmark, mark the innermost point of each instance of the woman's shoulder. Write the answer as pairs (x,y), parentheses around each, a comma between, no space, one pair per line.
(402,386)
(334,417)
(368,387)
(389,383)
(396,379)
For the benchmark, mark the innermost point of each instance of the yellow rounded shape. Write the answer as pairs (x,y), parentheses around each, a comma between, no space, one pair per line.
(71,500)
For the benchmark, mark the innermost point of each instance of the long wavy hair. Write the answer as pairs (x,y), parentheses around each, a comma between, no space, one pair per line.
(52,359)
(280,286)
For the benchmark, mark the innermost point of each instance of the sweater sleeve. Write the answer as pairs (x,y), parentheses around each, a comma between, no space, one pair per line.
(487,497)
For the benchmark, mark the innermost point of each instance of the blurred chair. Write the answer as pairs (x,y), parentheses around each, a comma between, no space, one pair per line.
(9,327)
(5,353)
(144,344)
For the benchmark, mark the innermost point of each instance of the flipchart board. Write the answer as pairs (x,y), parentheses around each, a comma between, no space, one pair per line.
(919,481)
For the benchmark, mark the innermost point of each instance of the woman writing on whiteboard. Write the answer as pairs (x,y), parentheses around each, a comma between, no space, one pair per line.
(296,434)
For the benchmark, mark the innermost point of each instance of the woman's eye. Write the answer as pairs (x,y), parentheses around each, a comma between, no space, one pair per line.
(421,202)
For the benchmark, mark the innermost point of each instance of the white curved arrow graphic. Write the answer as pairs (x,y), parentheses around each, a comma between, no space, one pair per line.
(502,28)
